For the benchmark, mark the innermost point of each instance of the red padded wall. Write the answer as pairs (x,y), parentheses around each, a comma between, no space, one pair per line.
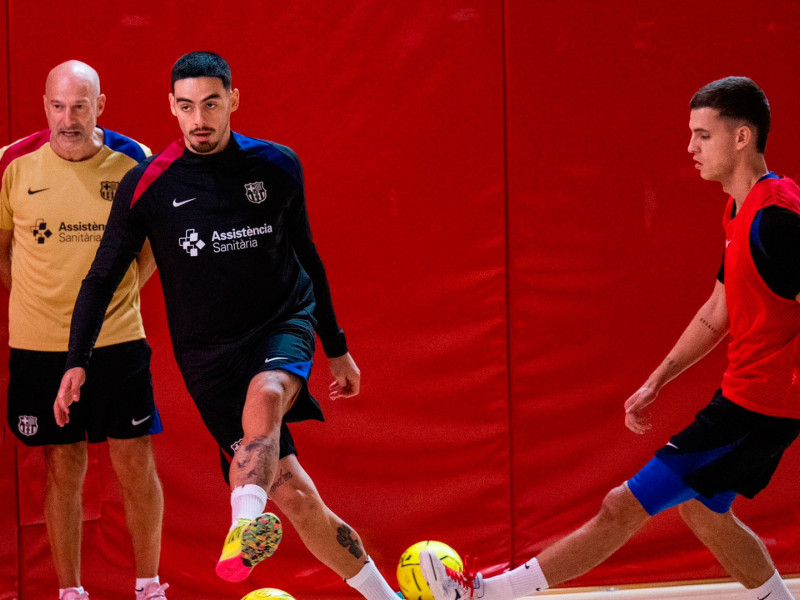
(9,529)
(397,116)
(615,242)
(4,114)
(514,236)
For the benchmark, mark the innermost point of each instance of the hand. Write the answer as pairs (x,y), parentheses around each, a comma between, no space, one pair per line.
(68,392)
(635,418)
(346,377)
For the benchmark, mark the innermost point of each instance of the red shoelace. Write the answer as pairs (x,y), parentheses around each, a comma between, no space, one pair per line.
(464,578)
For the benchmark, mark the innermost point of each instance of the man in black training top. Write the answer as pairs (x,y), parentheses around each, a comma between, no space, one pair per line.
(244,289)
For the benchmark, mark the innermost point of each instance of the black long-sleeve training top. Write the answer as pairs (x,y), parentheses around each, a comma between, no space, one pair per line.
(232,241)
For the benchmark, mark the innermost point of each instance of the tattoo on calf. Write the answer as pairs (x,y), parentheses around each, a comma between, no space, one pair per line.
(345,538)
(282,478)
(259,455)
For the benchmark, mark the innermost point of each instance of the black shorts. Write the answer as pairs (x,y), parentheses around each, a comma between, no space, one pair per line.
(116,400)
(218,378)
(729,448)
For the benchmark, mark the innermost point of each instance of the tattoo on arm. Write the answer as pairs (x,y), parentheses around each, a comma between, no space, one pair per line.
(344,535)
(709,325)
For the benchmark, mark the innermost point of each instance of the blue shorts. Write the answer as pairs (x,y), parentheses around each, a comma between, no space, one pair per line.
(218,380)
(727,450)
(116,400)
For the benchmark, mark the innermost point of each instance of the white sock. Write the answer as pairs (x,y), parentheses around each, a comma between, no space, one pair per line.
(371,584)
(141,582)
(62,591)
(523,581)
(247,502)
(775,588)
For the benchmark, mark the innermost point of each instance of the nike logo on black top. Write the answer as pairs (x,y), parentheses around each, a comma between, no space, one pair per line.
(176,204)
(32,192)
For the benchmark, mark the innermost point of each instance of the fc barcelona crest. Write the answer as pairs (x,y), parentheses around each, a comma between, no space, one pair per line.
(255,192)
(28,425)
(108,189)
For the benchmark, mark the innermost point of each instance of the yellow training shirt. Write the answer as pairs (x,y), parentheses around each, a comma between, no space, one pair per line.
(58,210)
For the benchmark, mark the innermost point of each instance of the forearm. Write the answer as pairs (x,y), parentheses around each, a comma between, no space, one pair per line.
(332,337)
(87,320)
(708,327)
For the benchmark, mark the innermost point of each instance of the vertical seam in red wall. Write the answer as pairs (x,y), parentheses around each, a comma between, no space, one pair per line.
(19,528)
(511,511)
(8,71)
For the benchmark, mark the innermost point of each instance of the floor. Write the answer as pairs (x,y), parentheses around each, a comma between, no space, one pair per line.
(703,591)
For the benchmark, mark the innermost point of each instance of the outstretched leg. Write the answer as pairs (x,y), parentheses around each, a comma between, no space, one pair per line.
(735,546)
(621,516)
(327,536)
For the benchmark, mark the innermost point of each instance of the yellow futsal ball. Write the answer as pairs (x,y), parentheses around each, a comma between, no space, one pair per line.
(268,593)
(409,575)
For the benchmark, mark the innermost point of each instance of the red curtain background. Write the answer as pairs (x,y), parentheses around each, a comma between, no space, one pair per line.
(514,234)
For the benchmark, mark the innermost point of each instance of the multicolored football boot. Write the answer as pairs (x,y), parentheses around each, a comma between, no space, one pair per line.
(247,544)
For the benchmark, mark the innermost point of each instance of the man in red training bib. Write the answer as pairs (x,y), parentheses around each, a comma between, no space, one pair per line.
(734,445)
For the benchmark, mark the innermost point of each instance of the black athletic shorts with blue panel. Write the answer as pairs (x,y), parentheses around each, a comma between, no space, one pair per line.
(727,450)
(218,378)
(116,400)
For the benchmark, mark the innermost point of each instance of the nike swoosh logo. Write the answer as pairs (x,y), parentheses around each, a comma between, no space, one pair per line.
(276,358)
(176,204)
(32,192)
(135,422)
(767,596)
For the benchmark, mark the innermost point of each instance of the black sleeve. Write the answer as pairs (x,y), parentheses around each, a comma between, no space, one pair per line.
(721,272)
(332,337)
(775,247)
(122,241)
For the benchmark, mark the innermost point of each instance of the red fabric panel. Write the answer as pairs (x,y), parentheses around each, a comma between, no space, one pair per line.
(397,112)
(4,92)
(614,243)
(397,116)
(4,140)
(9,509)
(9,529)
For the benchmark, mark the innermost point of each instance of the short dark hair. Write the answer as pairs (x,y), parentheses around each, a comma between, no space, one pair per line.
(201,64)
(737,98)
